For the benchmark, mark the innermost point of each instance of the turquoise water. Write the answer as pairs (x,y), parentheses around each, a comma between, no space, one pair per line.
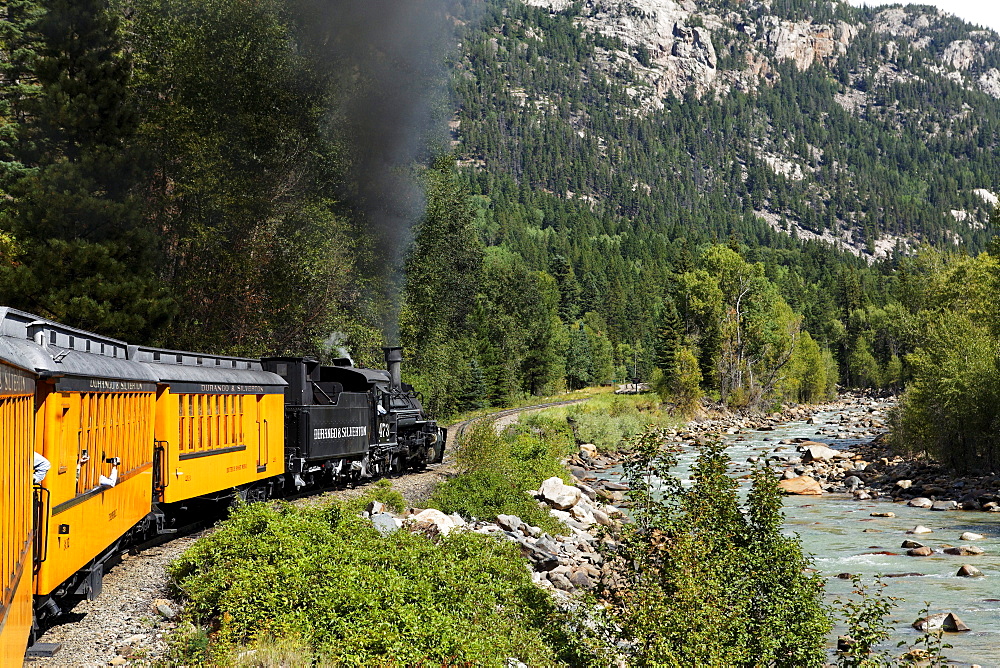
(832,529)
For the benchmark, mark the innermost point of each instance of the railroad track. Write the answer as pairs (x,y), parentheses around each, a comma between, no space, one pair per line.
(461,427)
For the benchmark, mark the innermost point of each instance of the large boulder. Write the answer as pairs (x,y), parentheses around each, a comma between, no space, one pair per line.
(432,517)
(818,453)
(965,551)
(558,494)
(919,529)
(945,505)
(803,485)
(969,571)
(947,621)
(385,523)
(920,502)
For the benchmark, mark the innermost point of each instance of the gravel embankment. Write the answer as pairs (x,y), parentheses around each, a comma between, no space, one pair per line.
(123,621)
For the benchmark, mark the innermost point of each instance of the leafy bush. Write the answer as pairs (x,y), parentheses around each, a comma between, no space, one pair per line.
(865,613)
(707,582)
(326,580)
(496,471)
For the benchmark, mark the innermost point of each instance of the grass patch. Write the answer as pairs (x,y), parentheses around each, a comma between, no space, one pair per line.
(320,585)
(609,421)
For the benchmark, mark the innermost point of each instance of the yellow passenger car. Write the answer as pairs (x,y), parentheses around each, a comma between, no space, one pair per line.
(17,390)
(219,425)
(94,423)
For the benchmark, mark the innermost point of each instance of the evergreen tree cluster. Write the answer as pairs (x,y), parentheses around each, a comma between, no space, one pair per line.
(171,173)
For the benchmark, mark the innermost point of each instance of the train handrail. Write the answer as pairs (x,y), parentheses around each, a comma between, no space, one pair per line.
(43,501)
(160,478)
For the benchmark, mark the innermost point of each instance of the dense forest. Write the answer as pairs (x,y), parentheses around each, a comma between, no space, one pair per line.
(275,177)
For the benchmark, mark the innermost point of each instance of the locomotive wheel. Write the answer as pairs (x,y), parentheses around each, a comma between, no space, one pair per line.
(397,466)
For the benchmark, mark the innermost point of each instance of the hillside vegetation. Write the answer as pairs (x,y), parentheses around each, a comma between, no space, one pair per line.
(728,200)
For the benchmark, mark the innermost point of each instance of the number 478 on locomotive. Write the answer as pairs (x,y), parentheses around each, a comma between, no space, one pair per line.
(134,436)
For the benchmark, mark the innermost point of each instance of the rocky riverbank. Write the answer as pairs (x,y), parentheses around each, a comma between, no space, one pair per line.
(562,563)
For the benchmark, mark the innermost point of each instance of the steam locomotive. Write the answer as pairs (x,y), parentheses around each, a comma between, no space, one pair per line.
(136,435)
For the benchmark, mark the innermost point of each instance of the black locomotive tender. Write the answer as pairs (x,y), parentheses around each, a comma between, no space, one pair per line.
(344,423)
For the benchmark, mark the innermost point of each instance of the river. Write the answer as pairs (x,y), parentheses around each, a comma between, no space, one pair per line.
(843,538)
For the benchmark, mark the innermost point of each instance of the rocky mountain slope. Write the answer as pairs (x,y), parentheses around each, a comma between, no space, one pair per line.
(872,129)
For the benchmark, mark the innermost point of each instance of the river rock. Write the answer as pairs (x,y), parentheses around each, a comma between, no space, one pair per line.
(909,544)
(965,550)
(560,581)
(818,453)
(588,450)
(614,486)
(923,551)
(968,535)
(558,494)
(802,485)
(852,483)
(947,621)
(920,502)
(601,517)
(883,514)
(582,514)
(919,529)
(580,579)
(945,505)
(969,571)
(904,484)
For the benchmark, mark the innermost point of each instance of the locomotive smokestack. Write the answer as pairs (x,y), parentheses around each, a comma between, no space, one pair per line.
(393,359)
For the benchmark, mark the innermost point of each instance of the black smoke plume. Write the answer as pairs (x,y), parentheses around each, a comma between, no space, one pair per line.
(387,59)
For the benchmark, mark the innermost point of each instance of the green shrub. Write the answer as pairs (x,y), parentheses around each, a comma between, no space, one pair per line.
(708,581)
(496,471)
(327,580)
(382,491)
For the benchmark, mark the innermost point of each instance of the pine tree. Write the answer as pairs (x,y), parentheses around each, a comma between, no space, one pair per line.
(669,336)
(19,44)
(86,258)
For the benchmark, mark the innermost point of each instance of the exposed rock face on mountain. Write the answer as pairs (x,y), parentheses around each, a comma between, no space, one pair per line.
(680,37)
(716,48)
(807,43)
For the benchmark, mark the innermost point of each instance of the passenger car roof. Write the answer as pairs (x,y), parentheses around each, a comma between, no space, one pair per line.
(51,349)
